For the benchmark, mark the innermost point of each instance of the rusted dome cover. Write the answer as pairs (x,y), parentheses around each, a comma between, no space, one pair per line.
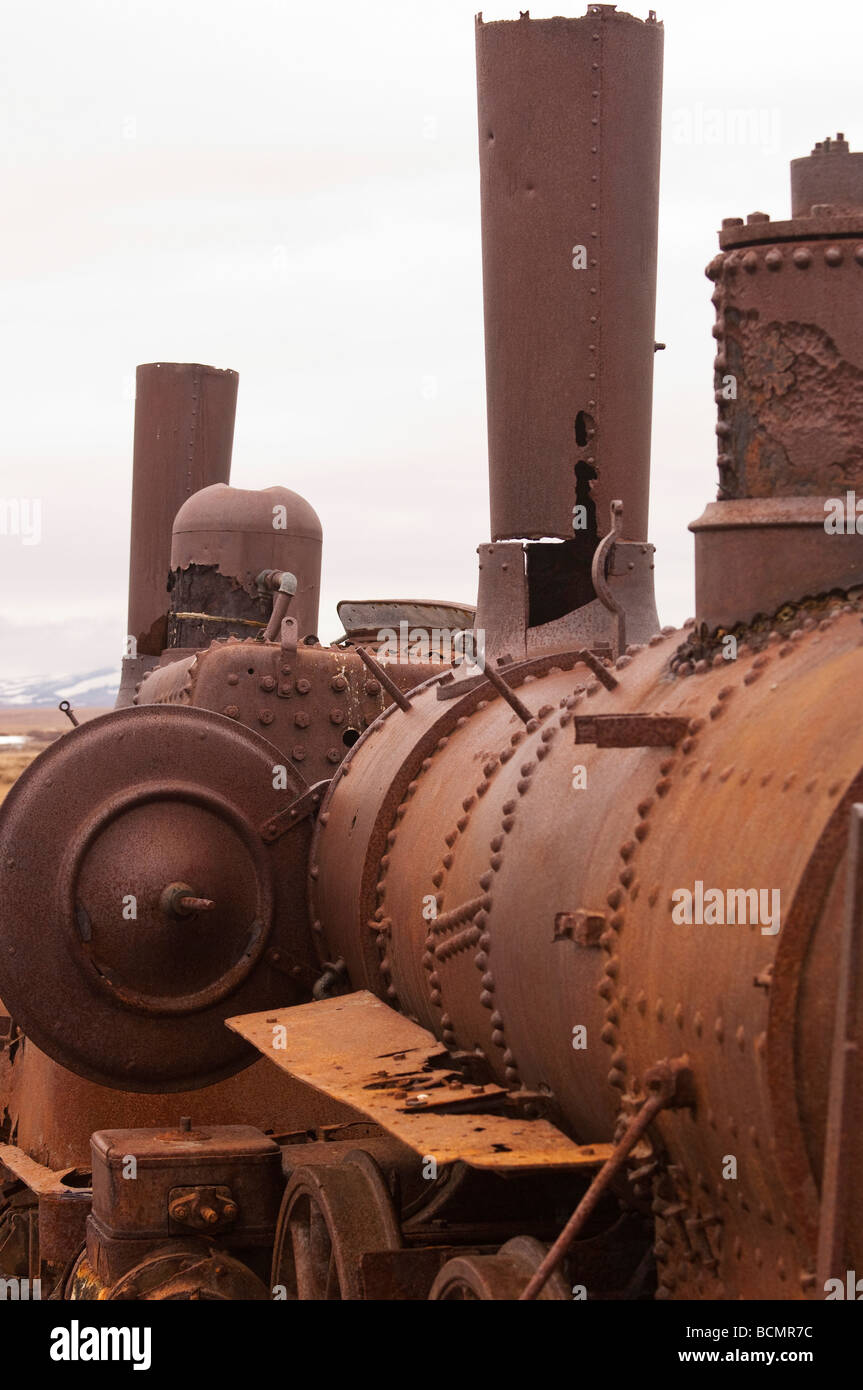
(140,905)
(221,510)
(243,532)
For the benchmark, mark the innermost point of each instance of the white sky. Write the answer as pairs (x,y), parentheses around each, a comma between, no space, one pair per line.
(293,191)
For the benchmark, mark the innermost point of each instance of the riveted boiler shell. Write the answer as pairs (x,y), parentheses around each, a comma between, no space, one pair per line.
(499,835)
(94,966)
(455,806)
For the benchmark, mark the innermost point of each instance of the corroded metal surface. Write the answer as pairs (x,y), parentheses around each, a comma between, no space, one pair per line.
(789,367)
(54,1112)
(130,992)
(330,1218)
(569,133)
(454,814)
(312,703)
(224,1181)
(540,891)
(181,1271)
(235,533)
(412,1090)
(569,127)
(471,1278)
(184,431)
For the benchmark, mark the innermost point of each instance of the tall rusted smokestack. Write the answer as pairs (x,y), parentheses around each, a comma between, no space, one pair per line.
(184,431)
(569,136)
(788,520)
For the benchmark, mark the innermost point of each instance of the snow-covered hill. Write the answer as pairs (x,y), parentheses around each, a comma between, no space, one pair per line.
(95,688)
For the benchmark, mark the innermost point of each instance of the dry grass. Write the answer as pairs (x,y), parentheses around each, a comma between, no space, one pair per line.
(12,764)
(40,727)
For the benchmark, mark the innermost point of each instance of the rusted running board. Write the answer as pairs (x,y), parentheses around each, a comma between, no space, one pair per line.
(357,1050)
(40,1180)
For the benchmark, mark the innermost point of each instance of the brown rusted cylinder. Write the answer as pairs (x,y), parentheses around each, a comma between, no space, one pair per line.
(830,176)
(461,839)
(789,370)
(184,431)
(569,135)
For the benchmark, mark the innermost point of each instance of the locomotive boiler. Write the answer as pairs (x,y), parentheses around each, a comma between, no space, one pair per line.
(552,969)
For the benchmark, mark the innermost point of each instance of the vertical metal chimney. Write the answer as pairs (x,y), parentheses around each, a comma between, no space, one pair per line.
(184,431)
(569,136)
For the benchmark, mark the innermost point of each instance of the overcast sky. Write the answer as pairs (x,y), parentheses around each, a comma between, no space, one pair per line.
(293,191)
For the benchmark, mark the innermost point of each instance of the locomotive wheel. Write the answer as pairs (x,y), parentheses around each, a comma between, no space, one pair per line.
(330,1216)
(500,1277)
(183,1271)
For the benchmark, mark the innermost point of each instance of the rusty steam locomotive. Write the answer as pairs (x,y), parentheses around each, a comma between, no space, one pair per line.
(332,973)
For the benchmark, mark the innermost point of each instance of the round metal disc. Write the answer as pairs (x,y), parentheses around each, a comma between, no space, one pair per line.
(140,904)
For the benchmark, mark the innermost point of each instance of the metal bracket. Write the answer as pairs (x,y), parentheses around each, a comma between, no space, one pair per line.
(306,805)
(583,927)
(597,573)
(669,1086)
(630,730)
(386,680)
(288,635)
